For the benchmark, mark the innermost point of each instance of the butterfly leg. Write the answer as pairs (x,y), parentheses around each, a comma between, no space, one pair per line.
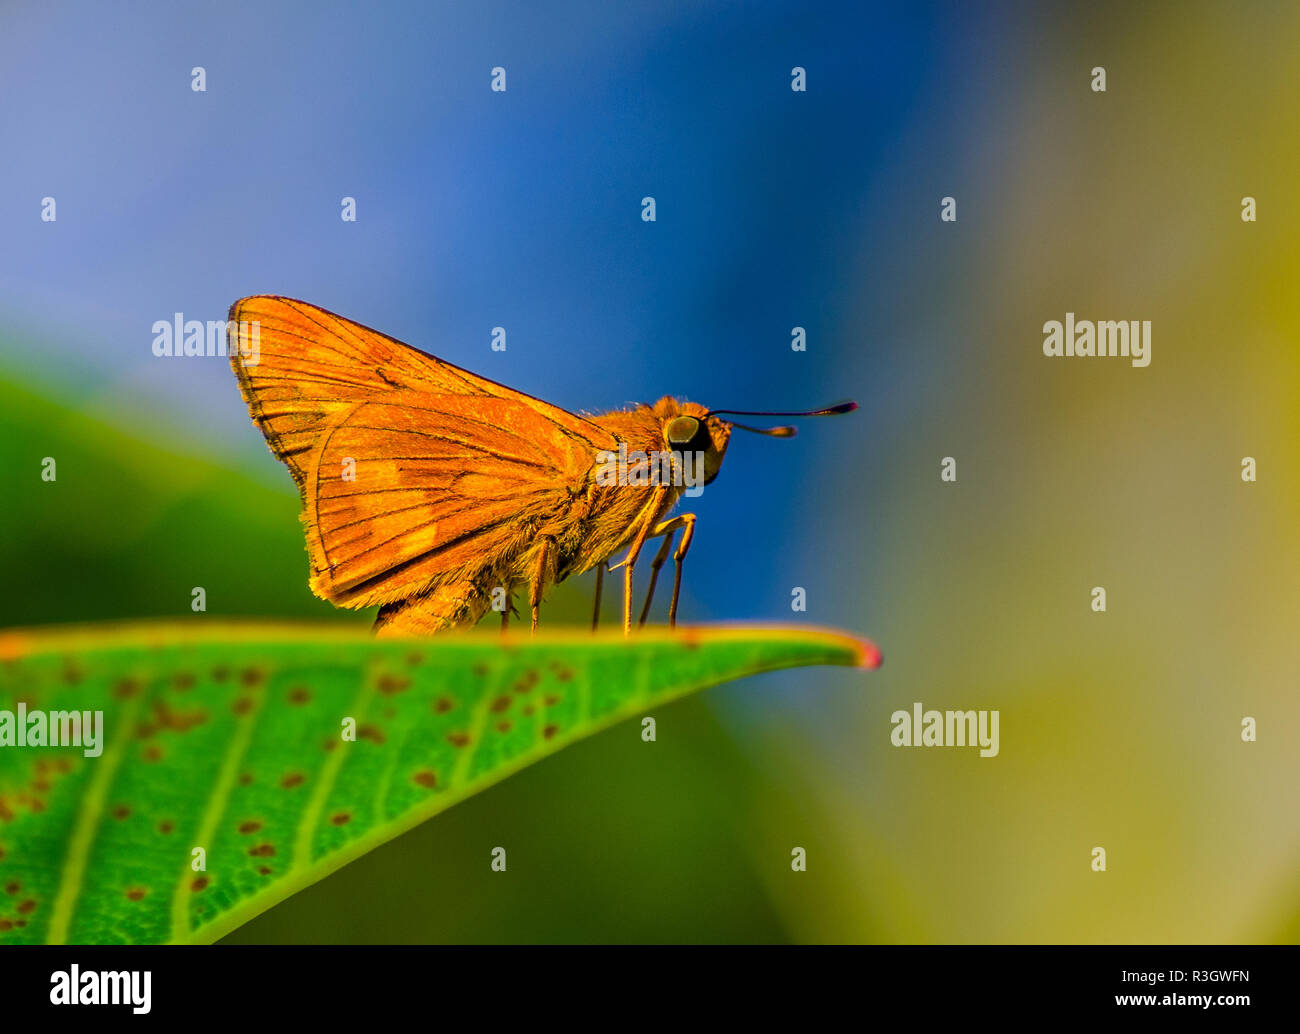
(688,523)
(600,585)
(628,563)
(540,578)
(653,508)
(668,529)
(657,563)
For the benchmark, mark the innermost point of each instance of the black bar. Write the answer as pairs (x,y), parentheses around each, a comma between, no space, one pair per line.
(613,985)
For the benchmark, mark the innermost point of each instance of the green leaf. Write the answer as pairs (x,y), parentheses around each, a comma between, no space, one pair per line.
(230,738)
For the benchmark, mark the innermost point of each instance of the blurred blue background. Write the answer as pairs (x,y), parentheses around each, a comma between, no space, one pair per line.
(475,209)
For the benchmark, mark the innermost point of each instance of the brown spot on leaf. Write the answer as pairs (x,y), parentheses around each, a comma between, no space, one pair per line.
(5,926)
(262,850)
(152,753)
(500,703)
(372,733)
(443,704)
(199,884)
(481,670)
(182,681)
(526,682)
(250,826)
(265,870)
(245,778)
(341,818)
(291,780)
(121,812)
(414,659)
(550,731)
(27,907)
(242,706)
(165,827)
(220,673)
(503,726)
(165,717)
(13,887)
(425,778)
(135,894)
(458,739)
(252,677)
(124,689)
(299,696)
(551,700)
(390,684)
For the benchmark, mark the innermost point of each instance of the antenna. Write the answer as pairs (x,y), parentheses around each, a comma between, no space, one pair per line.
(781,432)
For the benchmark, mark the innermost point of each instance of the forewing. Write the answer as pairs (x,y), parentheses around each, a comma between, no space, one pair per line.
(301,368)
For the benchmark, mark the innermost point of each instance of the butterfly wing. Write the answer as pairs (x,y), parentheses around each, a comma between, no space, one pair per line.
(412,470)
(415,487)
(300,365)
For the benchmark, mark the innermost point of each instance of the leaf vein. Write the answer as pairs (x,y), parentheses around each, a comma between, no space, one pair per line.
(213,809)
(89,819)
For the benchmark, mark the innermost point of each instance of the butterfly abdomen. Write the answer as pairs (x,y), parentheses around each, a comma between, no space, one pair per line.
(449,606)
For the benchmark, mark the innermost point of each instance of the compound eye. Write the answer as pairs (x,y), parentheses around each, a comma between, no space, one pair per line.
(683,431)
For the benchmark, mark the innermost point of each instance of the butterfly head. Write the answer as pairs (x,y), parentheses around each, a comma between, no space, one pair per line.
(689,427)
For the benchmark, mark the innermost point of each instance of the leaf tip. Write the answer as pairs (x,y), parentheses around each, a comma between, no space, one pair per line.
(869,655)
